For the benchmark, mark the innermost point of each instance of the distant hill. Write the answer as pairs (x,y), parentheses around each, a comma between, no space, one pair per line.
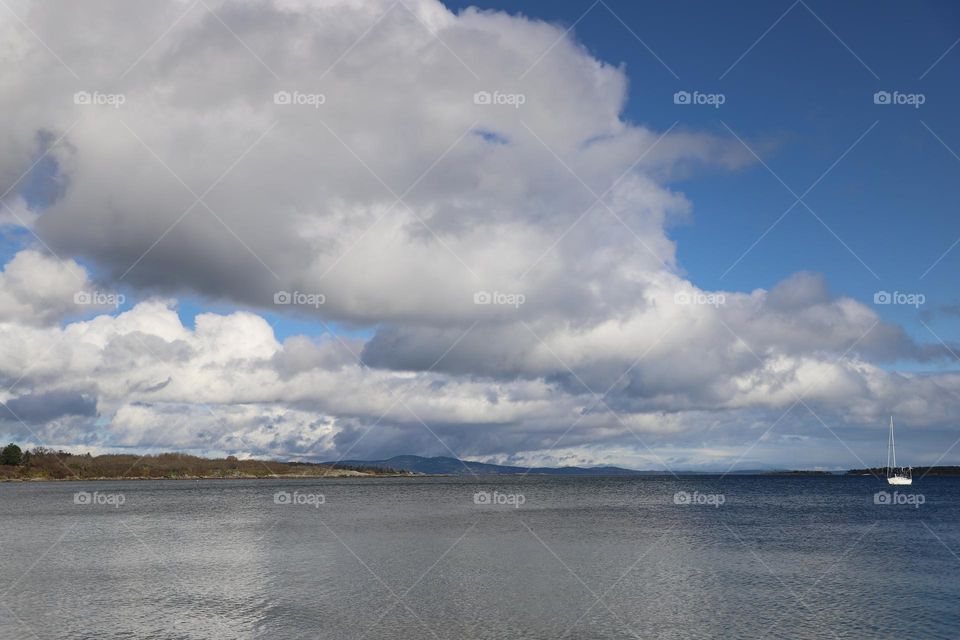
(453,466)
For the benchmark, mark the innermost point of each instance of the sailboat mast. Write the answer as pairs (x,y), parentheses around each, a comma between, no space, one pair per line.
(893,445)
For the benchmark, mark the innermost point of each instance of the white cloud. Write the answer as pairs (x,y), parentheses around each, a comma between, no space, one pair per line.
(143,380)
(38,289)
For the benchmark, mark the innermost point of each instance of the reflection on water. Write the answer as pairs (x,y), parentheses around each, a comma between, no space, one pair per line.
(508,558)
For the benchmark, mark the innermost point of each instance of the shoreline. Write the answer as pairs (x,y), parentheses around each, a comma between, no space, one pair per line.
(241,477)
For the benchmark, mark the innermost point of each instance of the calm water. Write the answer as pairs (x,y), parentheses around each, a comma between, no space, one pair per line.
(418,558)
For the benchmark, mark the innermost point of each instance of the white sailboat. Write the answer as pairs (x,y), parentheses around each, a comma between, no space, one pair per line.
(895,474)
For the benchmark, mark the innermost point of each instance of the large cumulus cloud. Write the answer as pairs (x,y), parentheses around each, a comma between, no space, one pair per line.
(304,198)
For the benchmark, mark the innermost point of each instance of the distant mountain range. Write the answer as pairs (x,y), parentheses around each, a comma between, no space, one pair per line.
(453,466)
(443,465)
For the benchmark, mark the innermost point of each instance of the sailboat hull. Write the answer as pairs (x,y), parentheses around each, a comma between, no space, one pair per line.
(900,481)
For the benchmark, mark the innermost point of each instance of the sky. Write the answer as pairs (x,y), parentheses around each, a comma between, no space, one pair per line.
(673,236)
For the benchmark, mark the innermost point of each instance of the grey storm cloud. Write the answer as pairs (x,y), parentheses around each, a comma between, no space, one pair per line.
(43,407)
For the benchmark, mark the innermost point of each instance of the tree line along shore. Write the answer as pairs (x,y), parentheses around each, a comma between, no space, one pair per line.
(46,464)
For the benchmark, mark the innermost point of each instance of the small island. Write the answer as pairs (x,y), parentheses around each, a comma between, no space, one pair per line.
(46,464)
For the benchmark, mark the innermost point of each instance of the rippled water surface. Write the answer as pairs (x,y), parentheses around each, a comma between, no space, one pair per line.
(419,558)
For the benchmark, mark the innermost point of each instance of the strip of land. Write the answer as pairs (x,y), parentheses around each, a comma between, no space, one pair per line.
(45,464)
